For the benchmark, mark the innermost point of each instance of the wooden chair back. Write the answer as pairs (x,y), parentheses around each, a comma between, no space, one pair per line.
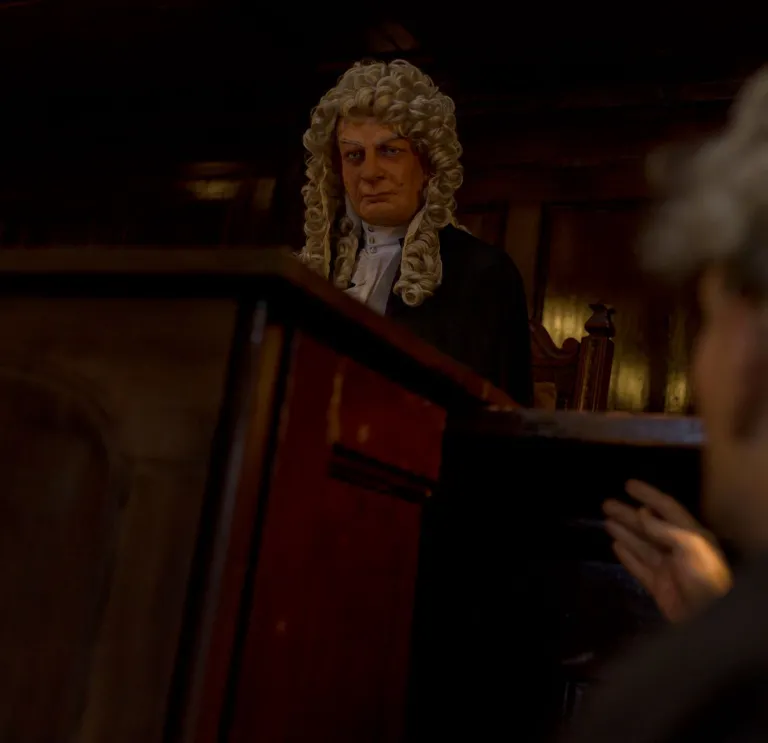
(577,375)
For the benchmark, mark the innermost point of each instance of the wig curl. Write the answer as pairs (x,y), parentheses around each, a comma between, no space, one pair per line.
(400,96)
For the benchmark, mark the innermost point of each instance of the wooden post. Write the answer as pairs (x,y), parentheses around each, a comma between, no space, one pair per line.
(593,376)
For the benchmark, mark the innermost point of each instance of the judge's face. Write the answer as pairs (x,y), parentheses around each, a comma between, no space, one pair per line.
(728,374)
(383,176)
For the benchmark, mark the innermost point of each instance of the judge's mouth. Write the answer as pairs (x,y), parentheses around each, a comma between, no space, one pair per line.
(376,198)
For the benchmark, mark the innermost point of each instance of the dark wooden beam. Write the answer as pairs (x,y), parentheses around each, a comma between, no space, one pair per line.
(580,138)
(624,180)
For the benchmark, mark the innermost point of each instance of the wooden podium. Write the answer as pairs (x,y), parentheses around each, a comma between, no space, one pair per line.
(214,467)
(221,479)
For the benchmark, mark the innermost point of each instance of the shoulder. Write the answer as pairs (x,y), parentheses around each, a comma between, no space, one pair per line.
(463,253)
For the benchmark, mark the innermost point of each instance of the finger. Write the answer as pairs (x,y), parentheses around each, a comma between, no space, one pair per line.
(662,532)
(624,514)
(643,549)
(664,505)
(634,567)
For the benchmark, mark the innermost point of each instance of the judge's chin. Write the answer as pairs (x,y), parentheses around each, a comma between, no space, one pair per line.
(382,212)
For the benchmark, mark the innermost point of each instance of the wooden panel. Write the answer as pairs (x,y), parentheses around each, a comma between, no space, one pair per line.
(590,134)
(113,507)
(325,657)
(618,429)
(681,328)
(572,255)
(225,552)
(487,222)
(536,184)
(59,504)
(590,257)
(511,226)
(521,242)
(554,367)
(376,418)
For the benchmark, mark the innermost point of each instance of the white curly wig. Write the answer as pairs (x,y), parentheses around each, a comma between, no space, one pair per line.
(400,96)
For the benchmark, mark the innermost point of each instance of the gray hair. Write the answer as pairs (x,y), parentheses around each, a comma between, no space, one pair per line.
(715,212)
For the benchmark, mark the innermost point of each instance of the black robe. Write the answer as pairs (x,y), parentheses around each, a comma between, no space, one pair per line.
(478,315)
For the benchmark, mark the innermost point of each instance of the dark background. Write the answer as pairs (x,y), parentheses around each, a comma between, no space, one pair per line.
(180,122)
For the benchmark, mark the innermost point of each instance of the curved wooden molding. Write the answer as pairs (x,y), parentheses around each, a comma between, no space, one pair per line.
(545,349)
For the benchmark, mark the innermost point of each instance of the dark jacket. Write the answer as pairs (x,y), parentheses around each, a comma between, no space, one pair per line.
(478,315)
(702,681)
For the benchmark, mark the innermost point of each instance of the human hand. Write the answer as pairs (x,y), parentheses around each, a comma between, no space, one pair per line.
(661,544)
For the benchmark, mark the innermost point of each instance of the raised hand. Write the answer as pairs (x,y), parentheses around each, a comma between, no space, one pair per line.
(676,560)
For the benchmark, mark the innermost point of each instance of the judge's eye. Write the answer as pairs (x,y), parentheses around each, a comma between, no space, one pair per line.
(390,151)
(353,155)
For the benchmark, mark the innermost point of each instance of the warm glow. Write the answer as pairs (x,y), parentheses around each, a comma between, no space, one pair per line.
(263,193)
(678,390)
(214,189)
(629,383)
(564,317)
(677,393)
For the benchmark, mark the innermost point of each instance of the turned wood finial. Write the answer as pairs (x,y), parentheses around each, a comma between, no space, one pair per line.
(593,376)
(600,323)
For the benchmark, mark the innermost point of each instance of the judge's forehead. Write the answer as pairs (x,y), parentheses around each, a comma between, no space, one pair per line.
(365,130)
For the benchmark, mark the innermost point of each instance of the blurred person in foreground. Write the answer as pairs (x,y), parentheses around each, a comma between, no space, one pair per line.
(706,677)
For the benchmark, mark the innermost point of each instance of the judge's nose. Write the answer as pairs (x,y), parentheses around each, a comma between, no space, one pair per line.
(371,169)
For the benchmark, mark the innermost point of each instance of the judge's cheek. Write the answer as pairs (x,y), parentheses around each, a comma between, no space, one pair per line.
(351,182)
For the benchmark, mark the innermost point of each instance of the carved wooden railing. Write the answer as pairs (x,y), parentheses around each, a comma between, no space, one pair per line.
(579,371)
